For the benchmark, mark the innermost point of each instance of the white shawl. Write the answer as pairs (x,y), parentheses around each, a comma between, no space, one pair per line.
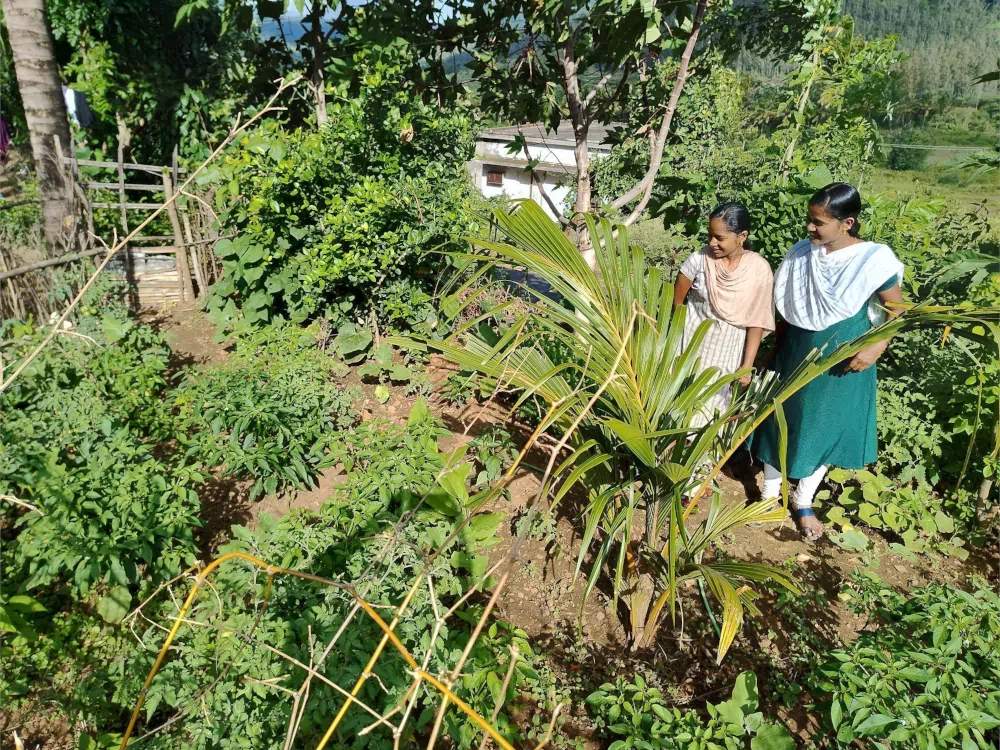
(814,289)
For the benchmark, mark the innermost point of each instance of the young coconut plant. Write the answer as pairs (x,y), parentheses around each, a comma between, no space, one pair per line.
(615,333)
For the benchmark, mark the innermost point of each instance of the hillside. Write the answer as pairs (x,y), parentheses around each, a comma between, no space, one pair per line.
(948,41)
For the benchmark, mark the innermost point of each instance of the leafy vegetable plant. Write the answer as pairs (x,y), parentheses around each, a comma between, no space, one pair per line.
(636,714)
(915,515)
(269,413)
(926,675)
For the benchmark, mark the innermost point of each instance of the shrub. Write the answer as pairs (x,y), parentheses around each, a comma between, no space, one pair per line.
(77,441)
(387,466)
(913,514)
(269,413)
(338,222)
(925,675)
(902,159)
(636,713)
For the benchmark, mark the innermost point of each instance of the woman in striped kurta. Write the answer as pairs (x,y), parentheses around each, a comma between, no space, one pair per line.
(729,284)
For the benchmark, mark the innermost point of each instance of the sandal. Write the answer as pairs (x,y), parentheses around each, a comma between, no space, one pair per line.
(810,533)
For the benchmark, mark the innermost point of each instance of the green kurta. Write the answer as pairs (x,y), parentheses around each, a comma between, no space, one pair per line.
(831,421)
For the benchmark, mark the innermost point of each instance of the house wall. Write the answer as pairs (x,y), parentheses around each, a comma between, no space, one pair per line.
(517,183)
(553,154)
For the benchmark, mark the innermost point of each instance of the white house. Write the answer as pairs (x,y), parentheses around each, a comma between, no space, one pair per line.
(496,171)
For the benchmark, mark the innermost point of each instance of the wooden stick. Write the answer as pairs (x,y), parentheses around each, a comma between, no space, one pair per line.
(128,186)
(129,268)
(112,165)
(183,272)
(133,206)
(199,275)
(61,260)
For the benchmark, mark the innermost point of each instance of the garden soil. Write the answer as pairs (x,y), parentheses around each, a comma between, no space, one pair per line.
(544,595)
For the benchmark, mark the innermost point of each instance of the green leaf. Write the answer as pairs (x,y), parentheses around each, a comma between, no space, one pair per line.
(419,412)
(982,721)
(381,393)
(453,482)
(350,341)
(277,150)
(495,685)
(836,713)
(636,440)
(874,725)
(484,526)
(772,737)
(731,712)
(817,178)
(115,604)
(400,374)
(869,514)
(527,670)
(852,540)
(944,523)
(115,329)
(745,692)
(836,515)
(443,503)
(25,603)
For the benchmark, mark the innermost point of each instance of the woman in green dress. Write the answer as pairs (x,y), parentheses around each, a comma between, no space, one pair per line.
(828,290)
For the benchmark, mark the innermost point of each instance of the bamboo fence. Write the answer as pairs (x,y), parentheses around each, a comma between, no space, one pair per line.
(160,270)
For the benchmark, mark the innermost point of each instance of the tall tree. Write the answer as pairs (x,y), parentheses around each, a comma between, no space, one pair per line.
(336,36)
(585,60)
(152,84)
(44,108)
(577,61)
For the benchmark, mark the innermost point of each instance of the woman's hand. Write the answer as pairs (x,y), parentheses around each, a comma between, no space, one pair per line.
(745,380)
(866,357)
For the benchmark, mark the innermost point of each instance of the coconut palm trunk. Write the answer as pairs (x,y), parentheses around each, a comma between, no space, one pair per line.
(44,108)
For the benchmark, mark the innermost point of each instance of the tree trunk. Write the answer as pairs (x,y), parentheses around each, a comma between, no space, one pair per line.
(44,109)
(581,127)
(580,119)
(658,140)
(317,77)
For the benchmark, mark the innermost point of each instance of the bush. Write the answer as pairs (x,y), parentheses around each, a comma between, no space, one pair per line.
(387,466)
(914,515)
(77,441)
(339,222)
(902,159)
(269,413)
(636,713)
(925,675)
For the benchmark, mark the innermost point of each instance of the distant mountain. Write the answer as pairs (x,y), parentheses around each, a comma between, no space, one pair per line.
(947,40)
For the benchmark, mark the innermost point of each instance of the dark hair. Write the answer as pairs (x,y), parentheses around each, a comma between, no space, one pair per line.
(735,216)
(842,202)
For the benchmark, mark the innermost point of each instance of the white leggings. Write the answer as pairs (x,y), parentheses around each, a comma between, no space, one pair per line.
(804,492)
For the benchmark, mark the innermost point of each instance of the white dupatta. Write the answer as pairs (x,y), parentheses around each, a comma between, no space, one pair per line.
(814,289)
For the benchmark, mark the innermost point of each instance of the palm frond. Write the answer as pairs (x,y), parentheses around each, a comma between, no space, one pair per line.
(615,337)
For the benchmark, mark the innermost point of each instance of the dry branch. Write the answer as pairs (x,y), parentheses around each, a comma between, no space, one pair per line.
(60,261)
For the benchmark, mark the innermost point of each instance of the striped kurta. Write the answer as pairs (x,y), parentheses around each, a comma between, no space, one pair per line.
(722,346)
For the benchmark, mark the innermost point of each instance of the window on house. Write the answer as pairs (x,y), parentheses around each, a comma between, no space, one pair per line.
(494,177)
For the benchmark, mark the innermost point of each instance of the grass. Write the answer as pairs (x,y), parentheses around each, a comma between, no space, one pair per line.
(938,181)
